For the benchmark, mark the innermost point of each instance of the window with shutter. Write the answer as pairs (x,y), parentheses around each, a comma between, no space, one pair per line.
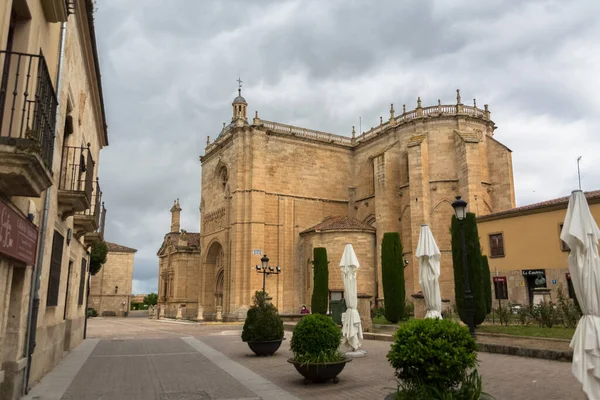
(82,280)
(496,245)
(55,268)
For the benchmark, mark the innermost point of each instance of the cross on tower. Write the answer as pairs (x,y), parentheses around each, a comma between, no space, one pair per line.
(239,81)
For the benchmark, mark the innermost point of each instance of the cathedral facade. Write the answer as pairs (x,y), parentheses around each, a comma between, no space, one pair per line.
(281,190)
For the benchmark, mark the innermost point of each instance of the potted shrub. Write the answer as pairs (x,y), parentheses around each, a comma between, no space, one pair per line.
(315,343)
(263,328)
(435,359)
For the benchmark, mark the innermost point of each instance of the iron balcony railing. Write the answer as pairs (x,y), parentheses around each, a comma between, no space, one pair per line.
(95,210)
(77,170)
(27,103)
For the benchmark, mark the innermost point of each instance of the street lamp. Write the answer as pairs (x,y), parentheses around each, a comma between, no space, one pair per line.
(266,270)
(460,210)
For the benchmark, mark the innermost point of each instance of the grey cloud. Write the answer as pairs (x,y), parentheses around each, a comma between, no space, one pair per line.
(169,71)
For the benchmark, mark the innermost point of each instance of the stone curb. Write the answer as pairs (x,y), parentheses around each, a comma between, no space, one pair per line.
(554,355)
(522,337)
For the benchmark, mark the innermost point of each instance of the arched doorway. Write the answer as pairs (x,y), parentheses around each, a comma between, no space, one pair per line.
(214,277)
(219,288)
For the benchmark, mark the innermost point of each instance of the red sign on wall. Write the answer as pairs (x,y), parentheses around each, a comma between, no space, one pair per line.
(18,236)
(501,287)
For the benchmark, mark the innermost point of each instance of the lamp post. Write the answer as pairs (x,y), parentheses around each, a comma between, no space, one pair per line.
(460,210)
(266,270)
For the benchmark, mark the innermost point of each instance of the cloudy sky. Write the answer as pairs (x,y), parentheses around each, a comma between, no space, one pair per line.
(169,71)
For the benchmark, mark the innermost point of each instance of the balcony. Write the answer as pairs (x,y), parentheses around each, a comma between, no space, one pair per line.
(88,221)
(75,185)
(98,234)
(27,122)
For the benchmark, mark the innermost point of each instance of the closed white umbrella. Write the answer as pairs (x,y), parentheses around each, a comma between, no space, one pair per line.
(429,255)
(580,232)
(351,326)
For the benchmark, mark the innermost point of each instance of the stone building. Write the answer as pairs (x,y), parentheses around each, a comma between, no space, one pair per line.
(52,128)
(524,247)
(281,190)
(179,261)
(111,287)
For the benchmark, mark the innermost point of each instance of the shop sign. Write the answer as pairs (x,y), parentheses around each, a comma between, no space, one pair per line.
(533,272)
(18,236)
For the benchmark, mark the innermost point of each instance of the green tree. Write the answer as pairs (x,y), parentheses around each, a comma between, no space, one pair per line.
(473,264)
(320,295)
(487,283)
(151,299)
(97,256)
(392,266)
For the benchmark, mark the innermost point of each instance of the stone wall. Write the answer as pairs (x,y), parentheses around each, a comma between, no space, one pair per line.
(110,290)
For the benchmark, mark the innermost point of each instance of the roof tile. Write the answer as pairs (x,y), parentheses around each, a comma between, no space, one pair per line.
(340,223)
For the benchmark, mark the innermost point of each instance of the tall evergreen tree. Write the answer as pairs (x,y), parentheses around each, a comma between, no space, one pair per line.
(392,271)
(320,295)
(473,265)
(487,283)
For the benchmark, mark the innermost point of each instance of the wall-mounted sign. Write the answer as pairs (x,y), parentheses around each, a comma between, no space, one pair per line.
(257,252)
(501,287)
(554,281)
(522,283)
(533,272)
(18,236)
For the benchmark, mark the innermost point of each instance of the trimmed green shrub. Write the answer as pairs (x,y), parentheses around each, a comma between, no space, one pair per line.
(320,295)
(432,353)
(97,256)
(91,312)
(316,339)
(487,283)
(392,271)
(263,322)
(474,267)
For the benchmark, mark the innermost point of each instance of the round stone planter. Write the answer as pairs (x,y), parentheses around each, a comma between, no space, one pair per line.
(266,348)
(320,372)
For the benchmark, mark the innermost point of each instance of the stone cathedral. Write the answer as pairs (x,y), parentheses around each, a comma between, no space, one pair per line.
(282,190)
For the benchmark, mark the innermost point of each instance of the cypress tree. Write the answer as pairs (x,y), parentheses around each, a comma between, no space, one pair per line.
(320,295)
(487,283)
(392,267)
(473,265)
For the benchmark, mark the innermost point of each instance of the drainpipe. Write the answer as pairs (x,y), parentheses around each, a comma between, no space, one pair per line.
(34,297)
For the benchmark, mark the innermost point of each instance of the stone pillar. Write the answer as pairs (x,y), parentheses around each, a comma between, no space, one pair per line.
(200,316)
(364,309)
(419,302)
(179,312)
(162,312)
(219,316)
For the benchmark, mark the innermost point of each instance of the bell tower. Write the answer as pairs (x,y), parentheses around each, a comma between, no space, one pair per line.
(239,105)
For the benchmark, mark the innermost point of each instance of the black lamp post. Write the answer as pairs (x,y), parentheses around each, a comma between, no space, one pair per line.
(460,209)
(266,270)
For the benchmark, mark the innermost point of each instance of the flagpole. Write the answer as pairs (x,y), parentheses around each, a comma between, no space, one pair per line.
(578,172)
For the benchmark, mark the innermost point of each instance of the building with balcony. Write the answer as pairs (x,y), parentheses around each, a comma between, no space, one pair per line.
(52,129)
(110,288)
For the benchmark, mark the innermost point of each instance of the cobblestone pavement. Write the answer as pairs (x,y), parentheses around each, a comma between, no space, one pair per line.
(217,364)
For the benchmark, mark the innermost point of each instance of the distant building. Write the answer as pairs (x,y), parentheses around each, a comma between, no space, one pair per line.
(110,289)
(523,244)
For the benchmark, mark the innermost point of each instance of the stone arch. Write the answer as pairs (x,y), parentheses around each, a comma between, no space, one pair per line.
(214,269)
(441,218)
(371,220)
(219,287)
(488,209)
(404,170)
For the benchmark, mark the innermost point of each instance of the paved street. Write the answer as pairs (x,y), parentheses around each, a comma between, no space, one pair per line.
(137,358)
